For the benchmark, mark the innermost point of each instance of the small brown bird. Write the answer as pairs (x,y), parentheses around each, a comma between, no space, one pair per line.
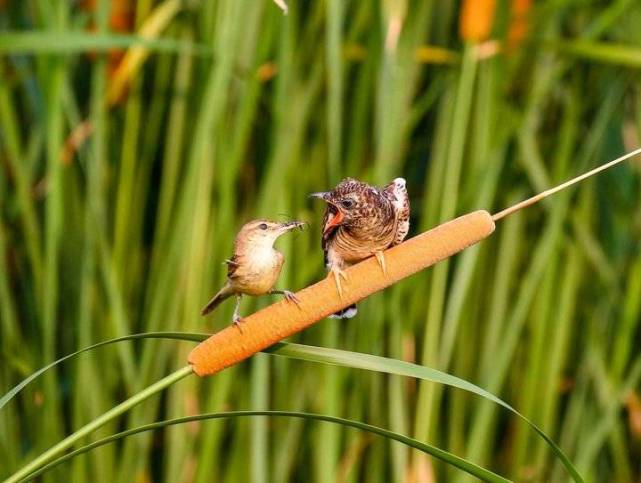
(255,266)
(360,221)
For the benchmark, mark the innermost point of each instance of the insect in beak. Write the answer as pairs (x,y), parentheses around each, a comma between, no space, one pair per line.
(291,225)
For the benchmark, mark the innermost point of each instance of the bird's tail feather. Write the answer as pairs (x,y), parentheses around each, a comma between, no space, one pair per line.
(346,313)
(222,294)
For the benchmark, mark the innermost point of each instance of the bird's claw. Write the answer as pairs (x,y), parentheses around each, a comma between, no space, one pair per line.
(291,297)
(338,274)
(381,261)
(237,321)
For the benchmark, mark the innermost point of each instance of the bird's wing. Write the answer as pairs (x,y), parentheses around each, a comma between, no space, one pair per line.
(396,192)
(326,237)
(232,265)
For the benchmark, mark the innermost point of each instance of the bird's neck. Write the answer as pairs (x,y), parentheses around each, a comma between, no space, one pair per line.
(258,248)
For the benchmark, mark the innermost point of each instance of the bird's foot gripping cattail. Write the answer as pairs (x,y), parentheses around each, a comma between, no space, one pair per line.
(337,273)
(381,260)
(236,318)
(289,296)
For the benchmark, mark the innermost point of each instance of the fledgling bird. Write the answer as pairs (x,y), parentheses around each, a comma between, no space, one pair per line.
(360,221)
(255,265)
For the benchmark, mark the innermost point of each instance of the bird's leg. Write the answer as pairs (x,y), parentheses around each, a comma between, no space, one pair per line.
(289,296)
(338,274)
(236,318)
(381,260)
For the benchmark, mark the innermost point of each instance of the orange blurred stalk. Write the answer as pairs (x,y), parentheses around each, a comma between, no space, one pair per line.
(476,20)
(519,22)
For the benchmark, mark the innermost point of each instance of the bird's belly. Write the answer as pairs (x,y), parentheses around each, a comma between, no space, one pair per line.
(353,251)
(257,279)
(258,287)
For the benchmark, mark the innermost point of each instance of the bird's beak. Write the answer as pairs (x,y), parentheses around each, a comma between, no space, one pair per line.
(336,215)
(323,195)
(335,218)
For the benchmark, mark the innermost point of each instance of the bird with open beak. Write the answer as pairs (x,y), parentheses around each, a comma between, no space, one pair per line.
(360,221)
(255,265)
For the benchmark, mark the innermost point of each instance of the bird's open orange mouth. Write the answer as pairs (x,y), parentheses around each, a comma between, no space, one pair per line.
(334,219)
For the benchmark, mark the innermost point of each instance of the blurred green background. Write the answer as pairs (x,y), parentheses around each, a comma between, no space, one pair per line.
(137,137)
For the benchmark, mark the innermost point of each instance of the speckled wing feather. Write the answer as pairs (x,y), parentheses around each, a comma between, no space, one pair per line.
(326,237)
(396,192)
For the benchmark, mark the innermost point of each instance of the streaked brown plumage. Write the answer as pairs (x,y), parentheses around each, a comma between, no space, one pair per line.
(360,221)
(255,265)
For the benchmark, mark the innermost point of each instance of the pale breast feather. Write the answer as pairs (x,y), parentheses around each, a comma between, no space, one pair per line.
(353,250)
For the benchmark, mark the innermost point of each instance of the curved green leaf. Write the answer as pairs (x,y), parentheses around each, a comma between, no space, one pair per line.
(75,42)
(443,455)
(338,357)
(401,368)
(608,52)
(148,335)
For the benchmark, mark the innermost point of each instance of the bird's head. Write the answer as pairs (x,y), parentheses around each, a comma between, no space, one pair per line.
(348,203)
(265,231)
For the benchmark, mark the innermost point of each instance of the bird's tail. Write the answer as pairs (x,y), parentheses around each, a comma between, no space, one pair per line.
(346,313)
(222,294)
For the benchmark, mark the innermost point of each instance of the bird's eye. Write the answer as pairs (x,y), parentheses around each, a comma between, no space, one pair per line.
(263,226)
(347,204)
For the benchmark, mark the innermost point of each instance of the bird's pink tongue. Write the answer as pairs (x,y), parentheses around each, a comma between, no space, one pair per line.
(334,219)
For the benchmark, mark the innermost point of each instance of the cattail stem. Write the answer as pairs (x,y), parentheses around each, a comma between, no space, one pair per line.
(538,197)
(282,319)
